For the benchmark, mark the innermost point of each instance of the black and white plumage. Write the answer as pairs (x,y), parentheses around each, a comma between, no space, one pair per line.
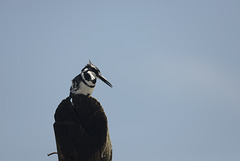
(84,83)
(81,126)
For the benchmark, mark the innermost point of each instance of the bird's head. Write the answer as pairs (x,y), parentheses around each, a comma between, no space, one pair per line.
(95,72)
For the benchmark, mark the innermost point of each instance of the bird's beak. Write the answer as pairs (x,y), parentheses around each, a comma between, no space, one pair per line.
(104,80)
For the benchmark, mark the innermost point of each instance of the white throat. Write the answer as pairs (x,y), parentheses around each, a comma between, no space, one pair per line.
(84,89)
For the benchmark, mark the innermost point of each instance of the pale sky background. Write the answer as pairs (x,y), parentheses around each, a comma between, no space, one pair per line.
(174,66)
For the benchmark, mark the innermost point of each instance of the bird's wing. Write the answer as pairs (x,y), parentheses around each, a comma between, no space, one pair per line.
(75,84)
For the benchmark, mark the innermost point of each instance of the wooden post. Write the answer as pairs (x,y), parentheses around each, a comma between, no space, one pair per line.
(81,130)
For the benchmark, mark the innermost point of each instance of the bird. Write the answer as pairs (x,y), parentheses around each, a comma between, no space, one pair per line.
(85,82)
(81,125)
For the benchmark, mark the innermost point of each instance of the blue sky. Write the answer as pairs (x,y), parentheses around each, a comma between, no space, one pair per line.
(174,66)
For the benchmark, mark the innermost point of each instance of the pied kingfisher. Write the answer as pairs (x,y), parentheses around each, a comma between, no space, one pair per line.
(84,83)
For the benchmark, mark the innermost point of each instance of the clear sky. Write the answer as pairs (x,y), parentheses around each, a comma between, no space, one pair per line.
(174,66)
